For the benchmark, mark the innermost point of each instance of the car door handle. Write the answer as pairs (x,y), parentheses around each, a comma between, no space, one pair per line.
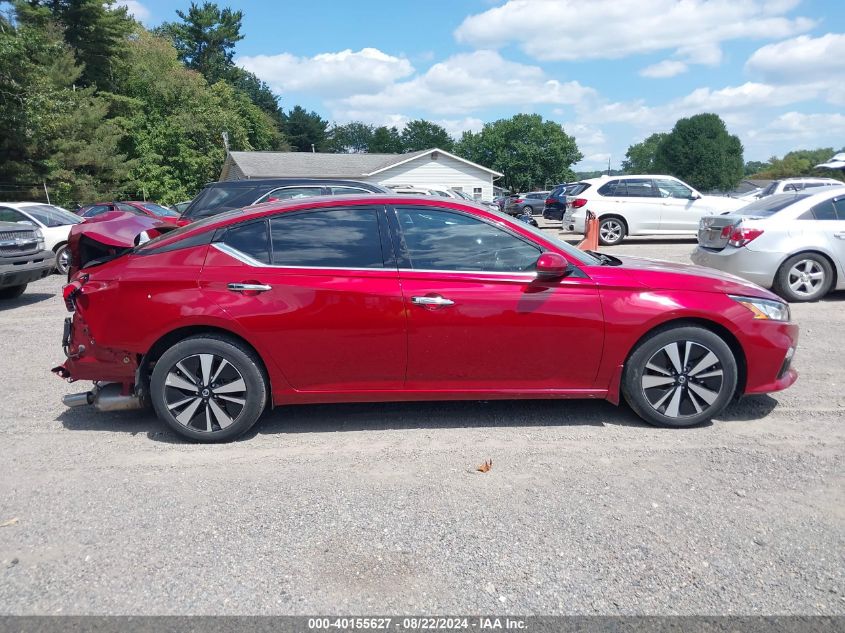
(435,301)
(840,235)
(249,287)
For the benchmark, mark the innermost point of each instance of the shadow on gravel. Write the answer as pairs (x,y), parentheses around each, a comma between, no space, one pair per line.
(331,418)
(334,418)
(26,299)
(748,408)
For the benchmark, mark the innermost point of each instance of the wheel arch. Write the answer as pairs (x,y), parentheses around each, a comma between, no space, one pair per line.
(168,340)
(617,216)
(614,394)
(59,244)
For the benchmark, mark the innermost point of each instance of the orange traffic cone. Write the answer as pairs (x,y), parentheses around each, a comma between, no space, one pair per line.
(591,233)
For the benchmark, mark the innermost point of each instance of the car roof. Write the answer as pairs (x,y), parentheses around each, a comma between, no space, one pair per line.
(18,205)
(257,182)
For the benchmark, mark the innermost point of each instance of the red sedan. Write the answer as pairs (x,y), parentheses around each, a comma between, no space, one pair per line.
(383,297)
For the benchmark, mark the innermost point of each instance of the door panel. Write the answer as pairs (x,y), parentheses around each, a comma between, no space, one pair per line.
(502,332)
(479,319)
(679,214)
(328,328)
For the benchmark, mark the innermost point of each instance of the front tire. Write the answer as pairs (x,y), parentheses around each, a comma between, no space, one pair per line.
(612,230)
(209,388)
(62,259)
(804,277)
(680,377)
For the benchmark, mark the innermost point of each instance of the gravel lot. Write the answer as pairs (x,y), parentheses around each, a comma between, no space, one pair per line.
(377,508)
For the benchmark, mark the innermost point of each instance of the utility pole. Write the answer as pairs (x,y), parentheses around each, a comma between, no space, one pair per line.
(608,165)
(312,149)
(46,193)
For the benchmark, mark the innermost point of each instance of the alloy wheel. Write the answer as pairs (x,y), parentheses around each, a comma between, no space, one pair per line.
(63,260)
(611,231)
(682,379)
(205,392)
(805,277)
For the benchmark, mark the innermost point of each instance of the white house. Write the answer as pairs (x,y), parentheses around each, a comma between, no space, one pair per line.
(428,167)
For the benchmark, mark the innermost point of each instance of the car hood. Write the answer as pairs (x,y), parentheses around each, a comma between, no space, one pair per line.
(663,275)
(724,203)
(108,236)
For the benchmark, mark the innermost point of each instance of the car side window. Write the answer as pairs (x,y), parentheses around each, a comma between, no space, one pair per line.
(336,238)
(640,188)
(610,188)
(436,239)
(251,239)
(128,208)
(288,193)
(672,188)
(827,210)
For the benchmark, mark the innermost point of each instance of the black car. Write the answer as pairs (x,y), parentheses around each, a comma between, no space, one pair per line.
(555,205)
(218,197)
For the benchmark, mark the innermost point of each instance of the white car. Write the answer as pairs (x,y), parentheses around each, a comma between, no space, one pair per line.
(791,185)
(55,224)
(642,205)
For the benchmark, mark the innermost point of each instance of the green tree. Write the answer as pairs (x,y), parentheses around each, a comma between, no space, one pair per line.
(49,130)
(354,137)
(639,159)
(176,121)
(701,151)
(421,134)
(386,140)
(754,167)
(529,151)
(206,38)
(306,129)
(95,31)
(801,162)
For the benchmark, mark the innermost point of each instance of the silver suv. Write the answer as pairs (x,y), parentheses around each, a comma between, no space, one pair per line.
(790,185)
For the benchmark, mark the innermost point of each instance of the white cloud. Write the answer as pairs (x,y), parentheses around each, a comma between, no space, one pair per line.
(329,74)
(469,82)
(801,59)
(135,9)
(666,68)
(610,29)
(802,129)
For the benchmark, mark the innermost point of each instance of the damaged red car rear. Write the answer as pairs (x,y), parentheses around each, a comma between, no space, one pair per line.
(382,298)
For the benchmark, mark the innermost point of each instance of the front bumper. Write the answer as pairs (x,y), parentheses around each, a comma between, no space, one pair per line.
(769,349)
(16,271)
(759,267)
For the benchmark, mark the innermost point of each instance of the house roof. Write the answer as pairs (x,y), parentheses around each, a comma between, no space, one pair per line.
(324,165)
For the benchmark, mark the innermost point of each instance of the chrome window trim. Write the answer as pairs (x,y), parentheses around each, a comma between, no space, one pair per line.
(267,195)
(249,261)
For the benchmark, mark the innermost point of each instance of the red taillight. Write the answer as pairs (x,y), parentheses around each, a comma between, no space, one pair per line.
(70,292)
(578,203)
(550,201)
(517,201)
(741,236)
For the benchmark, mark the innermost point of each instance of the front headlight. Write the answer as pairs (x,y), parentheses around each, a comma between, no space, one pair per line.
(39,237)
(765,308)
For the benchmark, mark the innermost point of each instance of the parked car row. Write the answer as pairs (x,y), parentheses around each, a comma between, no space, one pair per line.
(793,243)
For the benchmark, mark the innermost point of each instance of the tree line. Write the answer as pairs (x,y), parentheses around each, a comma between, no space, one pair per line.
(701,151)
(98,106)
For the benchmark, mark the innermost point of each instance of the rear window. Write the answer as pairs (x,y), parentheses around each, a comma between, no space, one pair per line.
(764,207)
(159,210)
(217,198)
(577,189)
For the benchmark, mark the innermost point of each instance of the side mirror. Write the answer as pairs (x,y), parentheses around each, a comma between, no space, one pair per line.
(694,196)
(552,266)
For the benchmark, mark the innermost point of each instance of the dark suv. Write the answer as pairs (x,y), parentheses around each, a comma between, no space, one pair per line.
(23,258)
(556,202)
(218,197)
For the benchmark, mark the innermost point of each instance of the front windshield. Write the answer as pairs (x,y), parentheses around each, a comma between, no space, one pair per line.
(159,210)
(51,216)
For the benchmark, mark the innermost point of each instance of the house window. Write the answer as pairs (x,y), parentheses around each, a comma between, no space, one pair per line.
(476,193)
